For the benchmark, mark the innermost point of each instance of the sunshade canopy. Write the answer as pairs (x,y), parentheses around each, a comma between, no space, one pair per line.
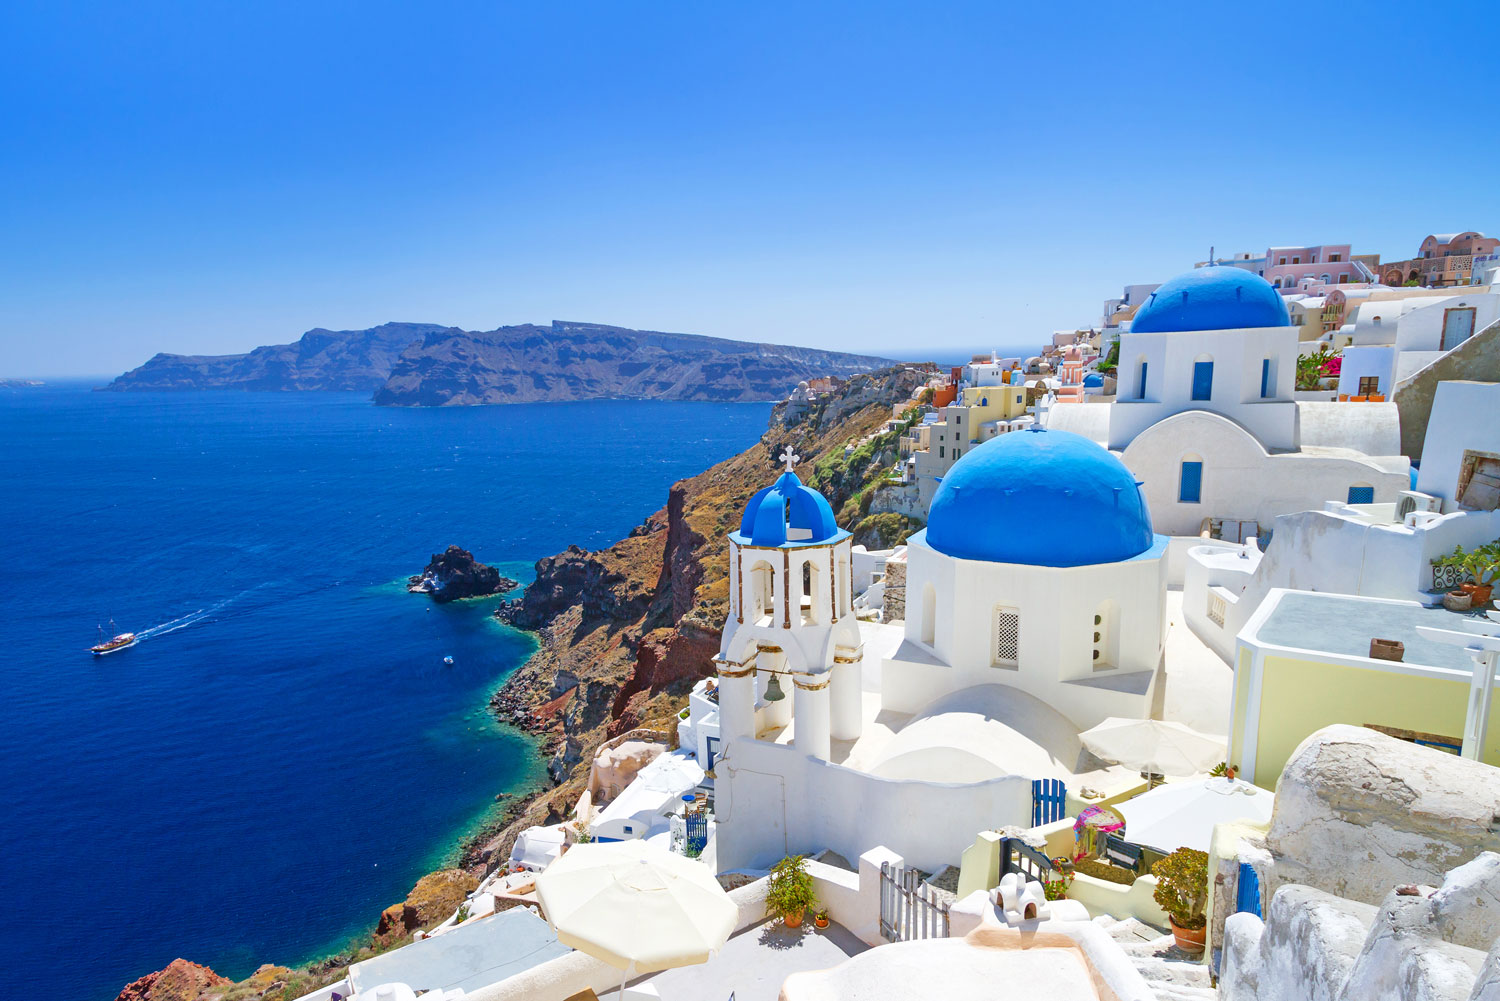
(636,906)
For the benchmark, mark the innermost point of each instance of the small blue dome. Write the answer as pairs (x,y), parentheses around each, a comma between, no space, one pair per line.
(1041,498)
(787,511)
(1093,379)
(1212,298)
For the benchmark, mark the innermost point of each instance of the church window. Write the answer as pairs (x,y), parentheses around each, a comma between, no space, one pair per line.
(929,615)
(1203,380)
(1005,640)
(1190,484)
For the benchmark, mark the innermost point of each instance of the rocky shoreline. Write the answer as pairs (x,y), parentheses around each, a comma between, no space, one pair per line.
(623,634)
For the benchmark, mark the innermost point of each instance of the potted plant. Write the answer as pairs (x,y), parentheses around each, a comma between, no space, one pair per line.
(1055,883)
(1482,563)
(789,890)
(820,917)
(1182,891)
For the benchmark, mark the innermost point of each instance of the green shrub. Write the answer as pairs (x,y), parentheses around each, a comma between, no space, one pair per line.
(1182,886)
(790,887)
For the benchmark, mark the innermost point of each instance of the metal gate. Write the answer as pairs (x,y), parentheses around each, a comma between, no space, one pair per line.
(909,908)
(697,832)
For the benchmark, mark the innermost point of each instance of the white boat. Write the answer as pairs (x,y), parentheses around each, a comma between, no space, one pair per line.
(448,661)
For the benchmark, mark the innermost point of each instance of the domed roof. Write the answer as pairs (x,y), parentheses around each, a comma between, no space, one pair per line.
(1041,498)
(1211,298)
(1093,379)
(787,511)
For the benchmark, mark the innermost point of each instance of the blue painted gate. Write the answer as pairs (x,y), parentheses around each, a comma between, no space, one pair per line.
(1248,896)
(1048,801)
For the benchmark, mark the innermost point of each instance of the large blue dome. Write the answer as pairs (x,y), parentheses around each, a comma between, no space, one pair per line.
(1212,298)
(1042,498)
(787,512)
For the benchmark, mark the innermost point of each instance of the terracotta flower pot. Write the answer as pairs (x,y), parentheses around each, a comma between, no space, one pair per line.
(820,922)
(793,920)
(1481,594)
(1189,939)
(1467,587)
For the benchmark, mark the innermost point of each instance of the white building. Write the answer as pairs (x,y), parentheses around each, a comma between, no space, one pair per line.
(1377,550)
(1205,412)
(1390,340)
(918,735)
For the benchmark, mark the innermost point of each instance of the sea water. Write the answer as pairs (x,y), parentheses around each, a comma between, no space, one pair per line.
(285,752)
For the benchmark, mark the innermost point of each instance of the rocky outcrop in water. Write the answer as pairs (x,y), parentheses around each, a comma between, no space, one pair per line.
(455,573)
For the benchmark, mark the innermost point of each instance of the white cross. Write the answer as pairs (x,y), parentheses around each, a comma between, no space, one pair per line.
(790,458)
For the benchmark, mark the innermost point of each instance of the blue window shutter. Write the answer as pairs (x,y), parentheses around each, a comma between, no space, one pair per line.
(1265,378)
(1361,495)
(1190,488)
(1143,380)
(1203,380)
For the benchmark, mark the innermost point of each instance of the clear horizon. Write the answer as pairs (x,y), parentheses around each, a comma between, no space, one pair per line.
(860,178)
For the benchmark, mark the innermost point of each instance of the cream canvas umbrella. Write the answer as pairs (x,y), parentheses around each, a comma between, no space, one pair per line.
(636,907)
(1154,746)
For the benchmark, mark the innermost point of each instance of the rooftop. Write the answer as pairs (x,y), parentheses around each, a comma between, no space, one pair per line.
(755,962)
(1343,625)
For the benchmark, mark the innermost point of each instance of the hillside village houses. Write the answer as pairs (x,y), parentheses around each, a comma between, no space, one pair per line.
(1154,527)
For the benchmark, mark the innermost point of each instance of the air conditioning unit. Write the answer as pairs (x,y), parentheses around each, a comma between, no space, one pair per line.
(1409,501)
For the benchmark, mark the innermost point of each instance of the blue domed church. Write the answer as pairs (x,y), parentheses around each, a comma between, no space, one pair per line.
(1039,571)
(1206,414)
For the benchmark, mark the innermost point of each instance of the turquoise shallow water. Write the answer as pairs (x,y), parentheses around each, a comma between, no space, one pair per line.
(257,782)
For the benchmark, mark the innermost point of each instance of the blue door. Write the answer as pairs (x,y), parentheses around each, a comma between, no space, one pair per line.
(1203,380)
(1361,495)
(1248,896)
(713,752)
(1190,487)
(1048,801)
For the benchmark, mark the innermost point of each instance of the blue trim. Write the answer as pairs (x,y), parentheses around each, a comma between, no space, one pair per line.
(1265,377)
(1361,495)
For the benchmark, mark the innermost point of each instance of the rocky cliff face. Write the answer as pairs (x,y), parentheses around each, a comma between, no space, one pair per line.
(590,361)
(626,631)
(179,981)
(321,359)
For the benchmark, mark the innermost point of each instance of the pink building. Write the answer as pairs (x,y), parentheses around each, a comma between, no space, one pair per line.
(1326,264)
(1071,376)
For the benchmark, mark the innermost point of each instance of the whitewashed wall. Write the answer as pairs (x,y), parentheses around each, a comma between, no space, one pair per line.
(772,800)
(1240,479)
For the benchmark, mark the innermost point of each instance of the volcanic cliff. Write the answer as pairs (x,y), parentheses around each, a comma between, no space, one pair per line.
(626,631)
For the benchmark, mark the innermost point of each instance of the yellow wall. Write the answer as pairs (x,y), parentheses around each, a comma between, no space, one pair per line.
(1004,404)
(1299,697)
(1241,706)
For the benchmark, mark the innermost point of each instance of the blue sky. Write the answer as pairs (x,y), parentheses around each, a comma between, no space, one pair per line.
(205,177)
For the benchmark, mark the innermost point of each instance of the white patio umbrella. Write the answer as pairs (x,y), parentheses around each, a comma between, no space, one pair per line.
(636,906)
(1183,814)
(1154,746)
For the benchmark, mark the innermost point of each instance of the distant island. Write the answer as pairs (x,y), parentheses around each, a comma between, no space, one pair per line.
(427,365)
(20,383)
(320,359)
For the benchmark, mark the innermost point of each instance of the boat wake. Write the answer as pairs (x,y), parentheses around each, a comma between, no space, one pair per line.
(193,618)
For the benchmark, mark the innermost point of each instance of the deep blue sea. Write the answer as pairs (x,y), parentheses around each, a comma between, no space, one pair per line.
(286,753)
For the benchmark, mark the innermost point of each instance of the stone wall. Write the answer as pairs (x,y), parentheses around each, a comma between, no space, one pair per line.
(895,590)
